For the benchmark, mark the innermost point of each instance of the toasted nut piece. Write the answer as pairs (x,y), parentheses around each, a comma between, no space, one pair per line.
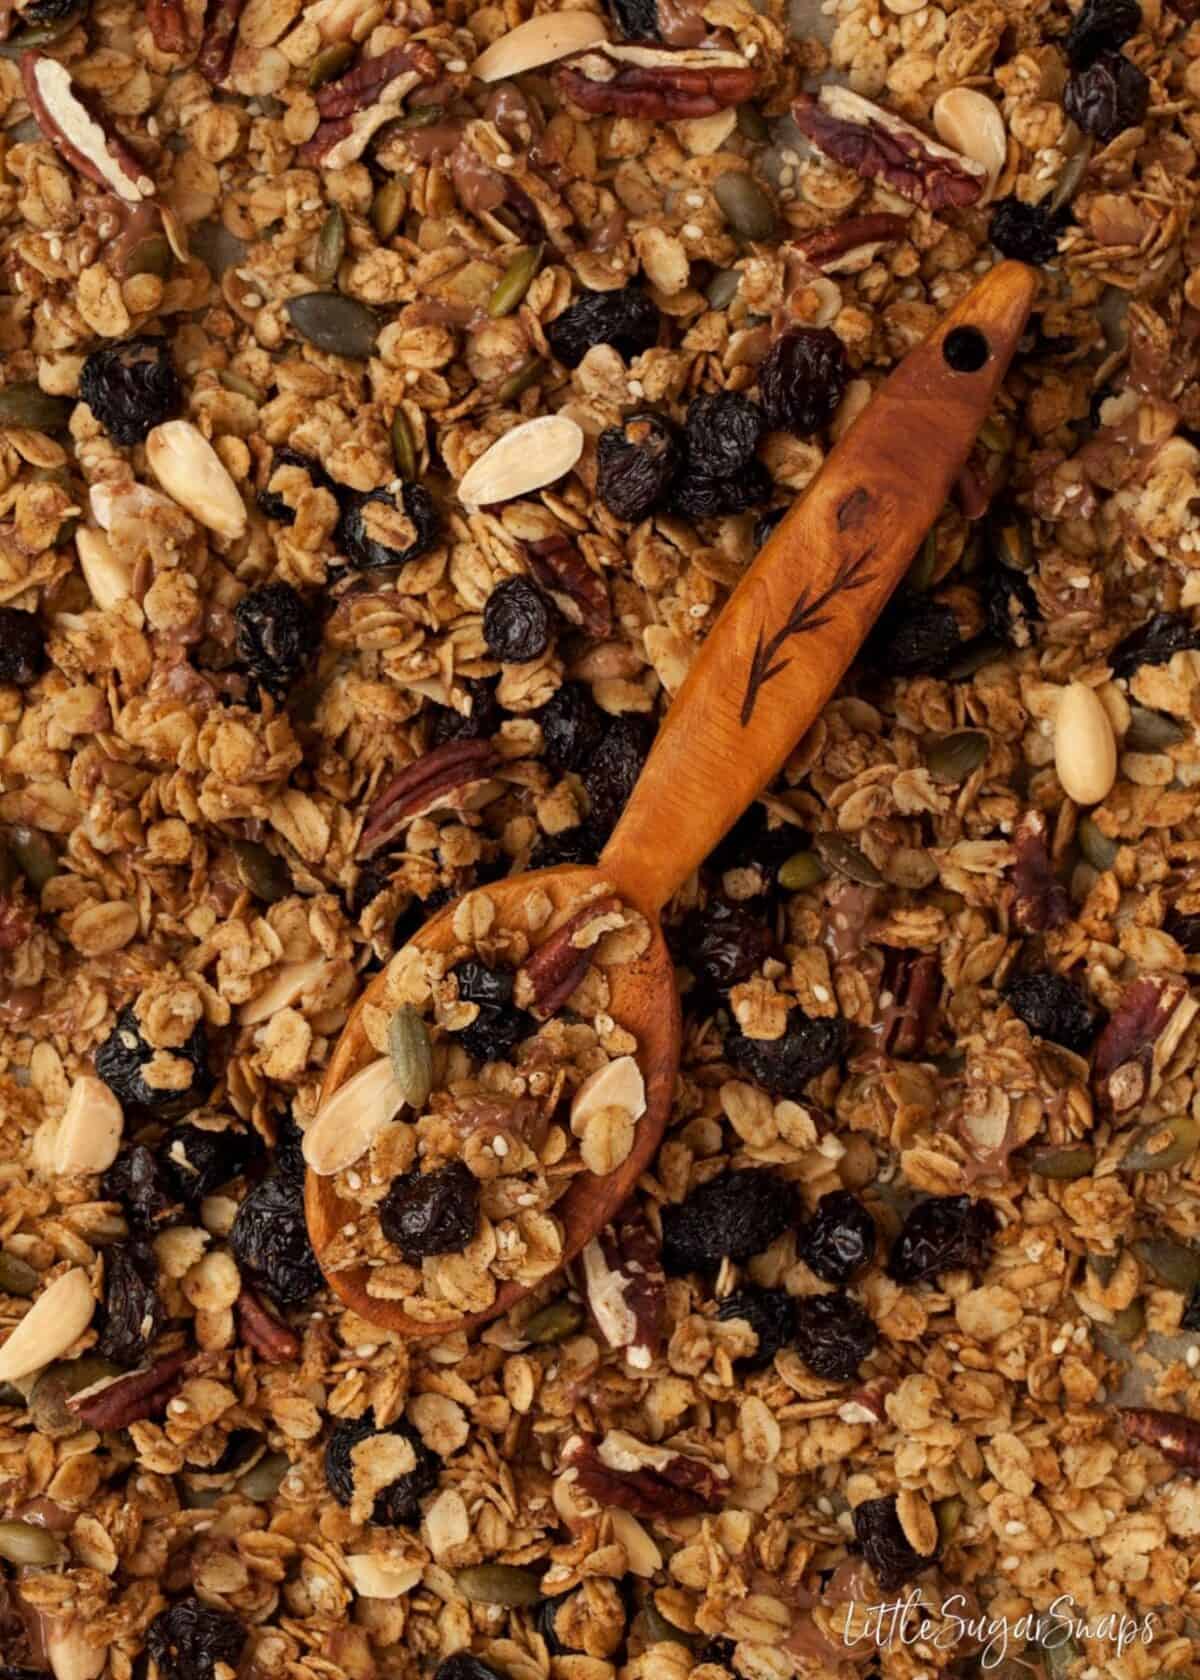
(529,457)
(74,132)
(292,981)
(1085,750)
(619,1084)
(72,1654)
(89,1133)
(57,1318)
(347,1124)
(108,578)
(971,125)
(641,1554)
(541,40)
(374,1576)
(190,470)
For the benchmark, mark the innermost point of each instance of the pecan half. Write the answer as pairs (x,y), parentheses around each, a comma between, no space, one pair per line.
(76,135)
(1176,1436)
(914,980)
(580,593)
(827,244)
(129,1399)
(269,1337)
(633,80)
(626,1287)
(548,976)
(360,102)
(1139,1040)
(877,145)
(219,39)
(440,780)
(1040,901)
(167,23)
(648,1481)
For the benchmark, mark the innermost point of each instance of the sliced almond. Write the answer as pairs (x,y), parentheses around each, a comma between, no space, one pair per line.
(89,1133)
(115,505)
(109,579)
(702,136)
(373,1576)
(619,1084)
(971,125)
(528,458)
(72,1654)
(539,41)
(193,474)
(347,1125)
(289,984)
(641,1553)
(57,1318)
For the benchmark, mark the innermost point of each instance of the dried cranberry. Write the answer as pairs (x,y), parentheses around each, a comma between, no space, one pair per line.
(270,1239)
(733,1216)
(1184,930)
(917,636)
(484,718)
(277,635)
(636,462)
(802,379)
(131,388)
(22,647)
(417,530)
(626,318)
(839,1239)
(1099,26)
(189,1639)
(1109,96)
(1053,1007)
(572,727)
(197,1161)
(612,772)
(518,620)
(1154,643)
(722,433)
(834,1335)
(121,1058)
(885,1545)
(637,20)
(499,1025)
(431,1213)
(132,1314)
(770,1313)
(943,1234)
(398,1505)
(138,1180)
(783,1066)
(1011,605)
(271,502)
(698,496)
(1028,232)
(723,943)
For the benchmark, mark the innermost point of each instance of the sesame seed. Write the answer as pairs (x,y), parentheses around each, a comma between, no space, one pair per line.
(1192,1356)
(500,1146)
(504,160)
(366,1350)
(456,66)
(252,300)
(689,230)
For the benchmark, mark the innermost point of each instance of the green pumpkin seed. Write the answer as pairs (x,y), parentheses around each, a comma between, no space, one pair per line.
(1173,1263)
(412,1055)
(25,404)
(57,1383)
(331,247)
(954,757)
(752,124)
(1176,1140)
(201,1498)
(948,1514)
(841,854)
(423,116)
(341,326)
(1068,1162)
(387,207)
(660,1631)
(515,281)
(152,255)
(232,381)
(1071,179)
(1097,848)
(982,651)
(920,573)
(802,869)
(404,446)
(30,1545)
(553,1323)
(723,287)
(523,380)
(16,1278)
(40,35)
(499,1583)
(262,872)
(1128,1324)
(746,205)
(1104,1266)
(330,62)
(264,1479)
(1152,731)
(1061,1652)
(35,854)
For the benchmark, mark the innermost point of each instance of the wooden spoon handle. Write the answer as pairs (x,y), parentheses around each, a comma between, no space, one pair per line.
(799,615)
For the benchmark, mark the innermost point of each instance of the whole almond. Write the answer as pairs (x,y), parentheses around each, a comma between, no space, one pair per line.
(529,457)
(971,124)
(1085,750)
(193,474)
(347,1125)
(89,1133)
(541,40)
(57,1318)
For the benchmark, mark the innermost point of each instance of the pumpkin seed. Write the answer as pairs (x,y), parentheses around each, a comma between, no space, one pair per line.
(412,1055)
(841,854)
(659,1631)
(974,657)
(341,326)
(264,1479)
(16,1278)
(234,382)
(30,1545)
(404,447)
(1008,539)
(262,872)
(948,1514)
(152,255)
(722,288)
(1104,1266)
(1071,179)
(1061,1652)
(330,62)
(920,573)
(1097,848)
(1173,1263)
(387,207)
(423,116)
(753,124)
(331,247)
(40,35)
(1068,1162)
(57,1383)
(523,380)
(515,281)
(1151,731)
(802,869)
(552,1323)
(746,205)
(201,1498)
(1181,1134)
(1128,1324)
(954,757)
(26,404)
(499,1583)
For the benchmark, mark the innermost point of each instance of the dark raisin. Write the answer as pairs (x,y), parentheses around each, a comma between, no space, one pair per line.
(22,647)
(138,1180)
(431,1213)
(770,1313)
(518,620)
(120,1059)
(131,1314)
(572,846)
(403,533)
(802,379)
(767,524)
(398,1505)
(1099,26)
(131,388)
(463,1666)
(1108,97)
(834,1335)
(277,635)
(484,718)
(545,1618)
(722,433)
(1154,643)
(637,20)
(1191,1313)
(626,318)
(697,496)
(415,914)
(917,636)
(189,1639)
(1053,1007)
(1028,232)
(373,878)
(270,1239)
(42,12)
(718,1651)
(723,943)
(1011,606)
(499,1025)
(1184,930)
(197,1161)
(752,843)
(839,1239)
(287,1154)
(732,1216)
(271,502)
(636,462)
(612,772)
(884,1543)
(572,727)
(783,1066)
(943,1234)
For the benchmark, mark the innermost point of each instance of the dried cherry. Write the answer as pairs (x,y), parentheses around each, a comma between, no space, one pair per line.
(885,1545)
(120,1059)
(139,1181)
(499,1024)
(626,318)
(723,943)
(22,647)
(189,1639)
(1053,1007)
(636,462)
(802,379)
(131,388)
(1011,606)
(277,635)
(272,503)
(1107,97)
(484,719)
(417,525)
(918,635)
(196,1161)
(612,772)
(518,620)
(770,1313)
(721,432)
(732,1216)
(270,1237)
(1099,26)
(699,496)
(431,1213)
(637,20)
(572,727)
(1027,232)
(839,1239)
(131,1314)
(398,1505)
(1154,643)
(783,1066)
(834,1334)
(943,1234)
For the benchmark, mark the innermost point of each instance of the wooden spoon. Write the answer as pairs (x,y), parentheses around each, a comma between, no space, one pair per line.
(774,657)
